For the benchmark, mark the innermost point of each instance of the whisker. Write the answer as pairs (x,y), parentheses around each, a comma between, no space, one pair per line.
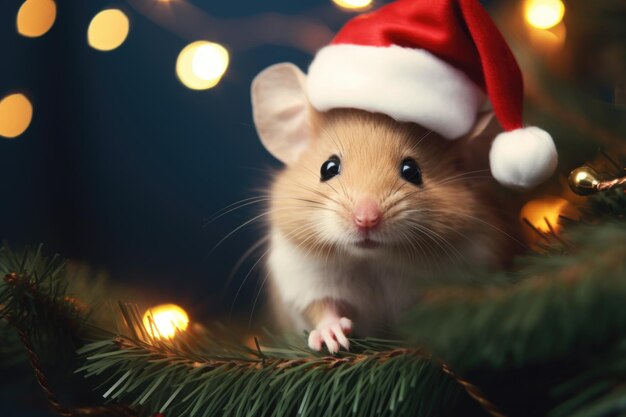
(264,214)
(240,204)
(317,192)
(479,221)
(424,136)
(457,180)
(255,218)
(256,298)
(245,279)
(325,183)
(443,240)
(242,259)
(243,282)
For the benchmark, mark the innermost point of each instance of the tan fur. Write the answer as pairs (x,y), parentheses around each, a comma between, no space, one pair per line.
(450,220)
(371,148)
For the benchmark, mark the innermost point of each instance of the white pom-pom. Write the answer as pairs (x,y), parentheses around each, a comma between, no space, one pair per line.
(523,158)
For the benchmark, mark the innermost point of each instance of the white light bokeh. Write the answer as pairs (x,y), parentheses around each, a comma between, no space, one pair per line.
(544,14)
(353,4)
(202,64)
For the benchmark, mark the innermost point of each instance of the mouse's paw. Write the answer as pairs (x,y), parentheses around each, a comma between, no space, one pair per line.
(332,332)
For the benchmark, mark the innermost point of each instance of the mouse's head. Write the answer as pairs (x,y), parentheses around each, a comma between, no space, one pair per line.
(361,182)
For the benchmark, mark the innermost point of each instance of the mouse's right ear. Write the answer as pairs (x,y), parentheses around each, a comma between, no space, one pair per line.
(281,111)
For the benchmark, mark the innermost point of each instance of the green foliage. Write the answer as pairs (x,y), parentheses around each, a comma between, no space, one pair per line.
(10,349)
(610,204)
(56,303)
(559,304)
(204,375)
(34,298)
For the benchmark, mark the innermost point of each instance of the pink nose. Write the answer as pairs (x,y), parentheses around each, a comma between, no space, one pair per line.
(367,214)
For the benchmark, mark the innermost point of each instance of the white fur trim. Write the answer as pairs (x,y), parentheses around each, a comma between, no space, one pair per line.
(523,158)
(409,85)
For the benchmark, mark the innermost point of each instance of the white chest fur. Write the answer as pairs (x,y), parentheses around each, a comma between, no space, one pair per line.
(377,287)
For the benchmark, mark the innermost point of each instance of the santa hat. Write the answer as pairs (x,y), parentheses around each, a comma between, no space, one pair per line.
(431,62)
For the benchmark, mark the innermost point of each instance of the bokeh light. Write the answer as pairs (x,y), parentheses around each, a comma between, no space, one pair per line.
(36,17)
(108,30)
(543,211)
(202,64)
(163,321)
(544,14)
(16,113)
(353,4)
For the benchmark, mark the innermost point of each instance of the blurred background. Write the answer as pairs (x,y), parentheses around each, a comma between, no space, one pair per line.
(125,126)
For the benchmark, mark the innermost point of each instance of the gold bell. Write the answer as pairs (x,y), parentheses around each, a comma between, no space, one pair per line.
(584,180)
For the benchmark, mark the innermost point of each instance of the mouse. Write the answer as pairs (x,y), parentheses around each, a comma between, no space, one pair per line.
(367,211)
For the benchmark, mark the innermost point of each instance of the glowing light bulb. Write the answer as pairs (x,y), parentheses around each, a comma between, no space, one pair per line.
(544,14)
(353,4)
(541,212)
(201,65)
(108,30)
(36,17)
(164,321)
(16,113)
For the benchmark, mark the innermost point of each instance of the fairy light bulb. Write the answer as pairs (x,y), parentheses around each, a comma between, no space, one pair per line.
(36,17)
(353,4)
(544,211)
(202,64)
(108,30)
(544,14)
(16,113)
(164,321)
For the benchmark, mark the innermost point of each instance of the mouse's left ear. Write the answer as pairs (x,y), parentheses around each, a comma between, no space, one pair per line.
(281,111)
(473,148)
(485,127)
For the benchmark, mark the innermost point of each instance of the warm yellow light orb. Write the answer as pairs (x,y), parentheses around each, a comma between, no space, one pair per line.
(163,321)
(108,30)
(544,14)
(201,65)
(353,4)
(541,212)
(16,113)
(36,17)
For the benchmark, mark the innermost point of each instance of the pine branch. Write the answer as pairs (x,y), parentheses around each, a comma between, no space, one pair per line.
(560,305)
(51,397)
(39,315)
(34,299)
(199,374)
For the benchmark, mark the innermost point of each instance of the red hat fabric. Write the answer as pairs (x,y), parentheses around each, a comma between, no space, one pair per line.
(432,62)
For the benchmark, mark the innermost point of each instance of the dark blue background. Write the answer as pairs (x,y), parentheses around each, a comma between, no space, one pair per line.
(122,164)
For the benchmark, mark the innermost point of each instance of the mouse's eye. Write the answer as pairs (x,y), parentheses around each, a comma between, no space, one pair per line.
(410,171)
(330,168)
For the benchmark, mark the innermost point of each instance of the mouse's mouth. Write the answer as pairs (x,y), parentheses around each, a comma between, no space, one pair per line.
(367,243)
